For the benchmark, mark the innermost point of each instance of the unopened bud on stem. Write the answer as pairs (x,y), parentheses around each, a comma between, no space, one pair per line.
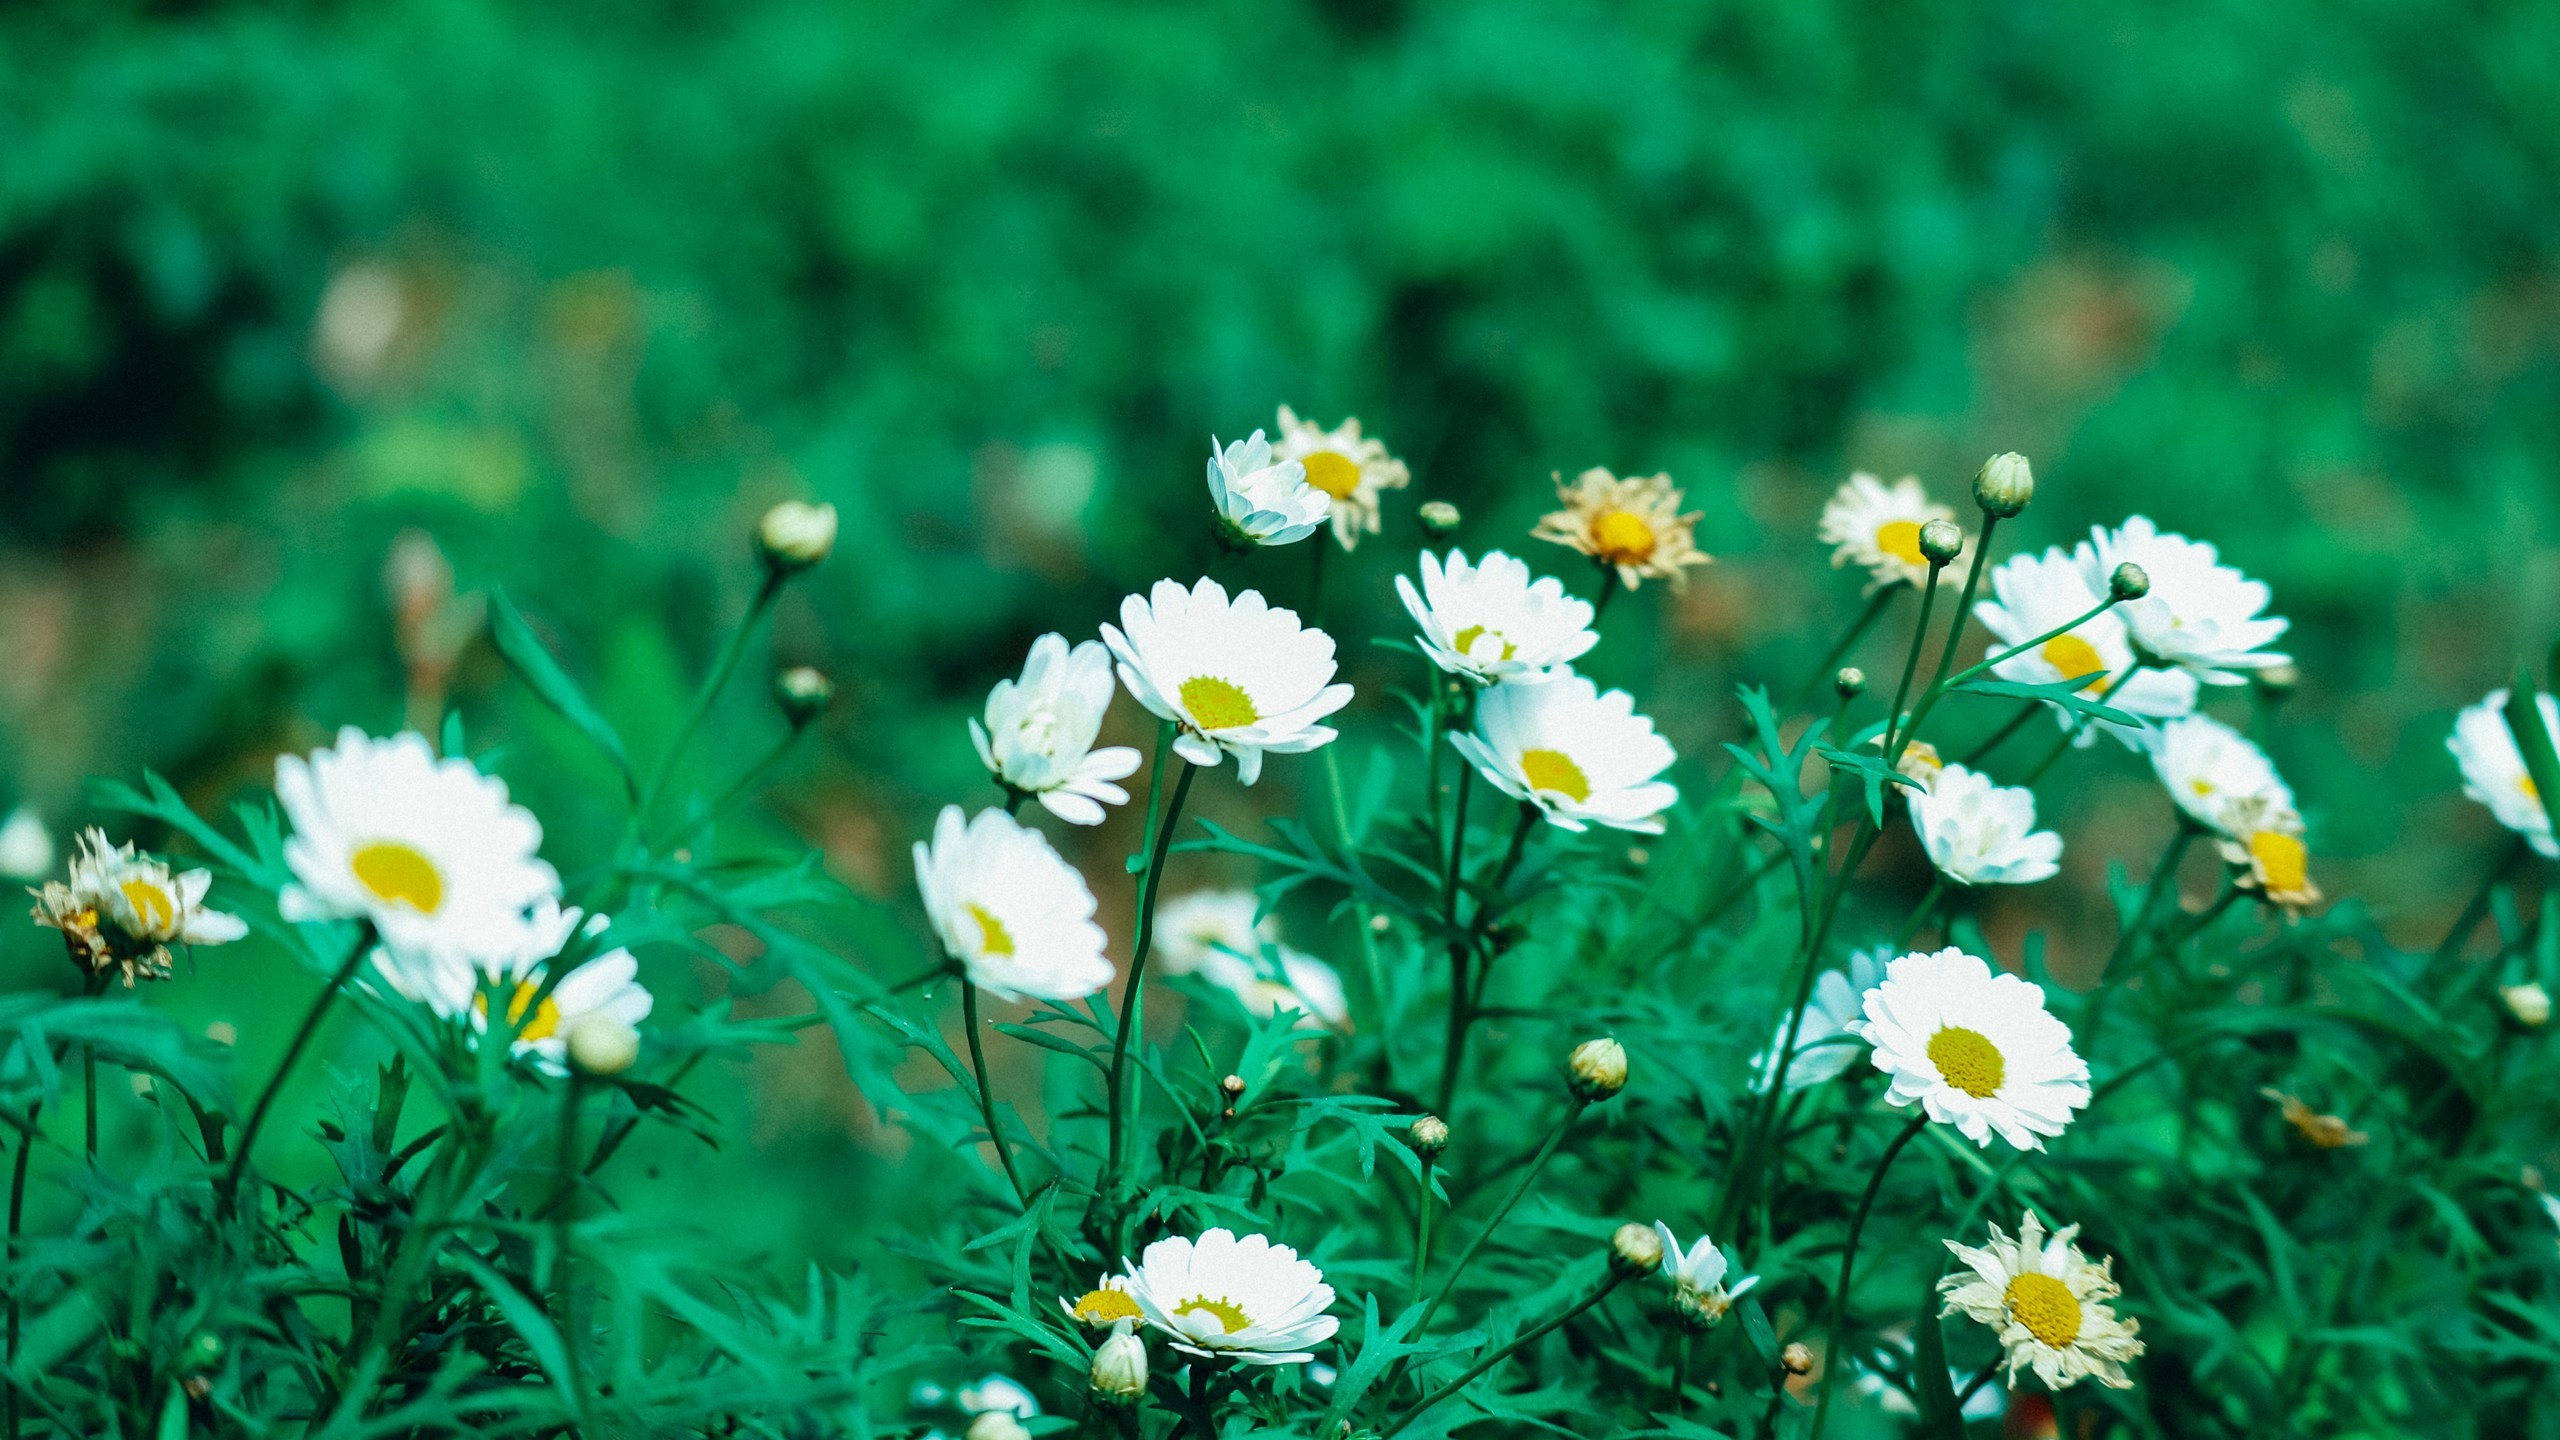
(1851,682)
(1797,1358)
(2529,1003)
(1428,1137)
(2005,485)
(796,535)
(1941,541)
(2277,681)
(1439,518)
(1120,1366)
(602,1045)
(2129,582)
(803,693)
(1597,1069)
(1635,1250)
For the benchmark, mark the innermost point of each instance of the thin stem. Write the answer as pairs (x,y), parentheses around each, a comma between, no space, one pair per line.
(1955,632)
(2014,651)
(310,1026)
(1525,1339)
(17,1222)
(2001,736)
(1830,666)
(1422,1231)
(1911,659)
(986,1092)
(1920,914)
(1608,591)
(89,1093)
(731,651)
(1848,1264)
(2477,908)
(1528,1177)
(739,787)
(1133,1010)
(1372,969)
(2071,734)
(564,1216)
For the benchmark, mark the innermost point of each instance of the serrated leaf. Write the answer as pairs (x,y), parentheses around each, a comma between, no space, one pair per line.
(533,664)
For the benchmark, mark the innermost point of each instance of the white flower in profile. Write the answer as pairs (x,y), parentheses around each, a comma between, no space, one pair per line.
(2206,766)
(1877,527)
(1195,929)
(1107,1304)
(428,849)
(2493,770)
(1821,1052)
(1037,738)
(1239,677)
(1974,1049)
(516,960)
(1281,979)
(2201,615)
(1492,621)
(998,1394)
(1221,1297)
(1981,833)
(1017,917)
(1262,499)
(1350,468)
(1697,1276)
(2031,594)
(1580,756)
(2046,1304)
(2264,839)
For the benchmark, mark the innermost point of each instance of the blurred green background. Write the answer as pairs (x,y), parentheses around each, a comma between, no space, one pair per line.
(317,320)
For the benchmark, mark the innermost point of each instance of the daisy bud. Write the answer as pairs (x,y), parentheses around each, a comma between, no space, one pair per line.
(1941,541)
(1428,1137)
(1797,1358)
(803,693)
(1851,682)
(2276,681)
(602,1045)
(796,535)
(1120,1366)
(2129,582)
(1635,1250)
(2529,1003)
(1598,1069)
(1439,518)
(997,1425)
(2005,485)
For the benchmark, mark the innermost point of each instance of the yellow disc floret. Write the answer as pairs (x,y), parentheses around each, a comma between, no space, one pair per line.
(1554,771)
(398,872)
(2046,1307)
(1968,1060)
(1217,704)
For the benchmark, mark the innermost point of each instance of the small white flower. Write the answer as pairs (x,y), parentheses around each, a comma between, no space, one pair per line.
(1203,926)
(1697,1276)
(1877,527)
(2263,837)
(1820,1053)
(1039,730)
(2200,615)
(1107,1304)
(2046,1304)
(427,849)
(1261,499)
(1348,467)
(2493,771)
(1981,833)
(2207,766)
(2031,594)
(1017,917)
(1974,1049)
(1492,621)
(26,846)
(1580,756)
(516,960)
(796,534)
(998,1394)
(1239,677)
(1281,979)
(1240,1299)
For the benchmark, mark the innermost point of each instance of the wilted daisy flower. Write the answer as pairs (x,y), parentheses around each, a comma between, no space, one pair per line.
(1975,1049)
(1350,468)
(2031,594)
(516,962)
(1105,1305)
(427,849)
(2046,1304)
(1038,734)
(2200,615)
(1239,677)
(1492,621)
(2263,837)
(2493,770)
(1634,525)
(1262,499)
(1836,1005)
(1238,1299)
(1580,756)
(121,910)
(1697,1277)
(2207,766)
(1281,979)
(1877,527)
(2329,1132)
(1981,833)
(1017,917)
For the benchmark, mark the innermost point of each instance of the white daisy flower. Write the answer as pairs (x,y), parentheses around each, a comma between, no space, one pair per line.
(1239,677)
(998,1394)
(1107,1304)
(2206,765)
(1834,1006)
(1239,1299)
(122,910)
(1580,756)
(1981,833)
(1976,1050)
(1697,1276)
(2046,1303)
(1204,926)
(1348,467)
(2263,837)
(1282,979)
(516,960)
(1018,918)
(2493,770)
(1262,499)
(2031,594)
(2200,615)
(427,849)
(1038,734)
(1492,621)
(1877,527)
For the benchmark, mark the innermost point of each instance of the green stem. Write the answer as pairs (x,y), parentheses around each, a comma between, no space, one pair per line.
(1133,1009)
(731,651)
(1525,1339)
(1609,587)
(89,1093)
(17,1223)
(2014,651)
(564,1216)
(1911,660)
(310,1026)
(1955,636)
(1973,758)
(739,787)
(2477,908)
(1837,1352)
(1830,666)
(1422,1231)
(1519,1188)
(1372,968)
(2071,734)
(986,1092)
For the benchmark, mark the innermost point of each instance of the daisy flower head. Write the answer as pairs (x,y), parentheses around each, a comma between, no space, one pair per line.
(1491,621)
(1582,757)
(1348,467)
(2201,616)
(1262,499)
(1633,526)
(2032,594)
(1822,1052)
(1876,527)
(1281,979)
(1017,917)
(121,910)
(1239,677)
(1978,832)
(1107,1304)
(516,960)
(2493,769)
(2046,1303)
(2262,837)
(428,849)
(2207,767)
(1697,1276)
(1221,1297)
(1973,1048)
(1037,737)
(1198,929)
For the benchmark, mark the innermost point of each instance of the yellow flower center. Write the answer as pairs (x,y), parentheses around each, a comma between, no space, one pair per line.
(993,938)
(2202,787)
(2283,861)
(2524,783)
(1102,1307)
(1968,1060)
(1217,704)
(1901,540)
(397,873)
(1229,1315)
(2076,658)
(2046,1307)
(1554,770)
(1622,538)
(1332,472)
(1465,641)
(153,906)
(546,1018)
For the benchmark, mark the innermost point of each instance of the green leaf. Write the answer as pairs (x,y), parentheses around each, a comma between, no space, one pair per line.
(2533,737)
(1931,1386)
(534,665)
